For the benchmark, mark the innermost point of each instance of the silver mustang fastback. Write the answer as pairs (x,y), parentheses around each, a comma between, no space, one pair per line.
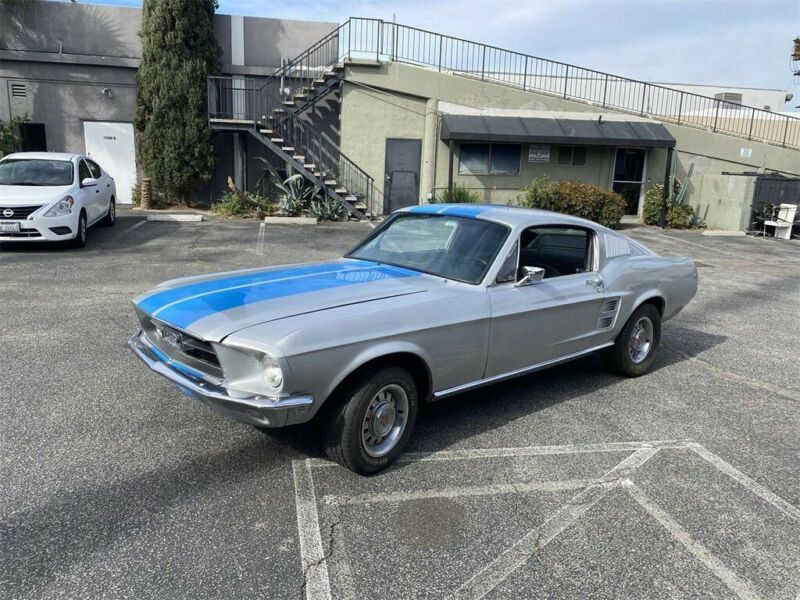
(437,300)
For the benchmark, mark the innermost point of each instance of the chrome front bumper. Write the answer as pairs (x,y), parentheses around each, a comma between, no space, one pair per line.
(254,410)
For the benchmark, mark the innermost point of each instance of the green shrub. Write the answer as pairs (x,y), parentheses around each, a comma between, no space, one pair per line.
(238,203)
(538,194)
(678,216)
(460,195)
(328,209)
(158,199)
(575,198)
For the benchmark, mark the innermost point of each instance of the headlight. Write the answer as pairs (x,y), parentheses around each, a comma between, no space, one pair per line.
(273,375)
(61,208)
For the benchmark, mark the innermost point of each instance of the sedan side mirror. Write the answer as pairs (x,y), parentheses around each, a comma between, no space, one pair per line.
(88,182)
(532,275)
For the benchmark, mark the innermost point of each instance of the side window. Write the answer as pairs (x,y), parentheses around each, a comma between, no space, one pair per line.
(97,172)
(83,171)
(558,250)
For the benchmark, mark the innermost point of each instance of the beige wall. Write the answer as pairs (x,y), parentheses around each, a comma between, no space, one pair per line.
(394,106)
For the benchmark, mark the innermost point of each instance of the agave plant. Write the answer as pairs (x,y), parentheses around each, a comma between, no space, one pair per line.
(329,209)
(296,192)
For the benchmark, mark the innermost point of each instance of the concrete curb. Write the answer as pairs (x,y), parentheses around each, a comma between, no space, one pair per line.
(723,233)
(290,220)
(180,217)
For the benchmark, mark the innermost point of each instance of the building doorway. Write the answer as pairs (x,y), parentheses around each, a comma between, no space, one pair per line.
(401,187)
(629,169)
(111,145)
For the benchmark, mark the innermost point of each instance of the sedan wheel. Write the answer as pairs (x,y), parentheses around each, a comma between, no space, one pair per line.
(80,236)
(367,424)
(111,216)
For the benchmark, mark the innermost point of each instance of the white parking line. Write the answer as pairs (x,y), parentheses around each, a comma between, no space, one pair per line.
(742,479)
(736,584)
(315,566)
(488,578)
(473,453)
(314,558)
(496,489)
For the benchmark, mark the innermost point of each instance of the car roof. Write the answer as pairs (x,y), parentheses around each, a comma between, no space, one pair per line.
(507,215)
(45,155)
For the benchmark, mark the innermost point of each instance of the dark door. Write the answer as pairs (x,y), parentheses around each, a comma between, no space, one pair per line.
(33,137)
(628,175)
(402,173)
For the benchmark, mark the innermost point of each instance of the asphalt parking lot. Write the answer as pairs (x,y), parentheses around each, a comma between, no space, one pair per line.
(570,483)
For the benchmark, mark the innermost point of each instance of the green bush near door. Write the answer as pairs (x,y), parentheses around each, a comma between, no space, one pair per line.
(575,198)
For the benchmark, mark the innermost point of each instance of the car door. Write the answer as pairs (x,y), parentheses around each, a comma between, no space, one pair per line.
(104,184)
(555,317)
(90,195)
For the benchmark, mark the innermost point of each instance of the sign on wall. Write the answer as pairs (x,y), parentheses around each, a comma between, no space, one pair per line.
(538,153)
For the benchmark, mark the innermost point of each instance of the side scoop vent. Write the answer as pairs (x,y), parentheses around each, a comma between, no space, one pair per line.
(610,305)
(608,313)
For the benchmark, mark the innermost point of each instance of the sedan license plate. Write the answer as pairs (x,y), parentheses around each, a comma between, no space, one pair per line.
(9,227)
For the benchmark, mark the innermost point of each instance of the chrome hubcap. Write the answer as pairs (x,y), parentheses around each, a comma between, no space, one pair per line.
(641,339)
(82,228)
(385,420)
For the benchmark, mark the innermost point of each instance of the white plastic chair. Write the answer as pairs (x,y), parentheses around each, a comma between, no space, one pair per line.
(783,222)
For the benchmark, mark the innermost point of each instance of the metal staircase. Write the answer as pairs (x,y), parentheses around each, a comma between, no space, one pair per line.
(273,111)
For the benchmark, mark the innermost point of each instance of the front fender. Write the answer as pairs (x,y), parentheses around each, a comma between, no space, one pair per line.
(375,352)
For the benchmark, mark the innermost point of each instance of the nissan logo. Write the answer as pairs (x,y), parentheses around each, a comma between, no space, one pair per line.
(8,213)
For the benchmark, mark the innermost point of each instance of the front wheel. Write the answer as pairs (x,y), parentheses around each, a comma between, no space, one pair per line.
(635,348)
(372,421)
(79,241)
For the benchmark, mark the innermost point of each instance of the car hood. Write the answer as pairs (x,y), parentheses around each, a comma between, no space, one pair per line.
(26,195)
(212,307)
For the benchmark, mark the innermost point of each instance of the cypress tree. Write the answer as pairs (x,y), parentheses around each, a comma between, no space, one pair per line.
(179,51)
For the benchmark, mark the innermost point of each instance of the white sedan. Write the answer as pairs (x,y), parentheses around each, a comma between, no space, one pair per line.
(50,196)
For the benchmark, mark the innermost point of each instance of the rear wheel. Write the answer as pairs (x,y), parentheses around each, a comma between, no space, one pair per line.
(635,348)
(111,216)
(79,241)
(371,421)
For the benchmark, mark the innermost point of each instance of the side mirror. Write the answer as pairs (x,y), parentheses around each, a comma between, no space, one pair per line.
(532,275)
(89,182)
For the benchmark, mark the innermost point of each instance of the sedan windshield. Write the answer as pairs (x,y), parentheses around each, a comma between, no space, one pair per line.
(452,247)
(34,171)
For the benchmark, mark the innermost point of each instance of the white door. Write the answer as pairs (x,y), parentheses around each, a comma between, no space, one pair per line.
(111,146)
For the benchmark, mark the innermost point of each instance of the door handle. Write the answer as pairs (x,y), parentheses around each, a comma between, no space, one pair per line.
(596,283)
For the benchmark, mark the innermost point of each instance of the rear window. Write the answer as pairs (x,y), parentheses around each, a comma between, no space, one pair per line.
(34,171)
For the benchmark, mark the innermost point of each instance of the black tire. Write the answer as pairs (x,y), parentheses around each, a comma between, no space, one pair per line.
(111,216)
(625,356)
(352,416)
(79,241)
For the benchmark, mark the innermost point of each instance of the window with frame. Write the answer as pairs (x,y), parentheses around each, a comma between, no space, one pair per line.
(572,156)
(83,171)
(489,159)
(559,250)
(95,169)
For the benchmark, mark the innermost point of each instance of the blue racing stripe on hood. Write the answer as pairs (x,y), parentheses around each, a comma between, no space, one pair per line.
(159,299)
(227,293)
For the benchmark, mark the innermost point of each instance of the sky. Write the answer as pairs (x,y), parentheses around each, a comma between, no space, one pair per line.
(718,42)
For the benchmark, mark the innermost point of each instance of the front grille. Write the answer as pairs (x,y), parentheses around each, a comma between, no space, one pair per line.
(18,213)
(24,233)
(182,347)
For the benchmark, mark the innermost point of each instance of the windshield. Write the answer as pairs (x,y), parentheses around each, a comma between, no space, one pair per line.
(452,247)
(34,171)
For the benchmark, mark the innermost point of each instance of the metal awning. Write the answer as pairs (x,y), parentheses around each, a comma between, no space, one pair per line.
(588,132)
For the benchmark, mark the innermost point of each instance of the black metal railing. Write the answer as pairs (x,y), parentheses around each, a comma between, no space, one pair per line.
(382,40)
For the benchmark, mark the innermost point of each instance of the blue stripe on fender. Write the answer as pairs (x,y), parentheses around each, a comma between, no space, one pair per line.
(183,313)
(452,210)
(158,300)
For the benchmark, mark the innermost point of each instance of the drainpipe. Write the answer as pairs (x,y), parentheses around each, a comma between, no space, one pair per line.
(429,141)
(662,217)
(450,167)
